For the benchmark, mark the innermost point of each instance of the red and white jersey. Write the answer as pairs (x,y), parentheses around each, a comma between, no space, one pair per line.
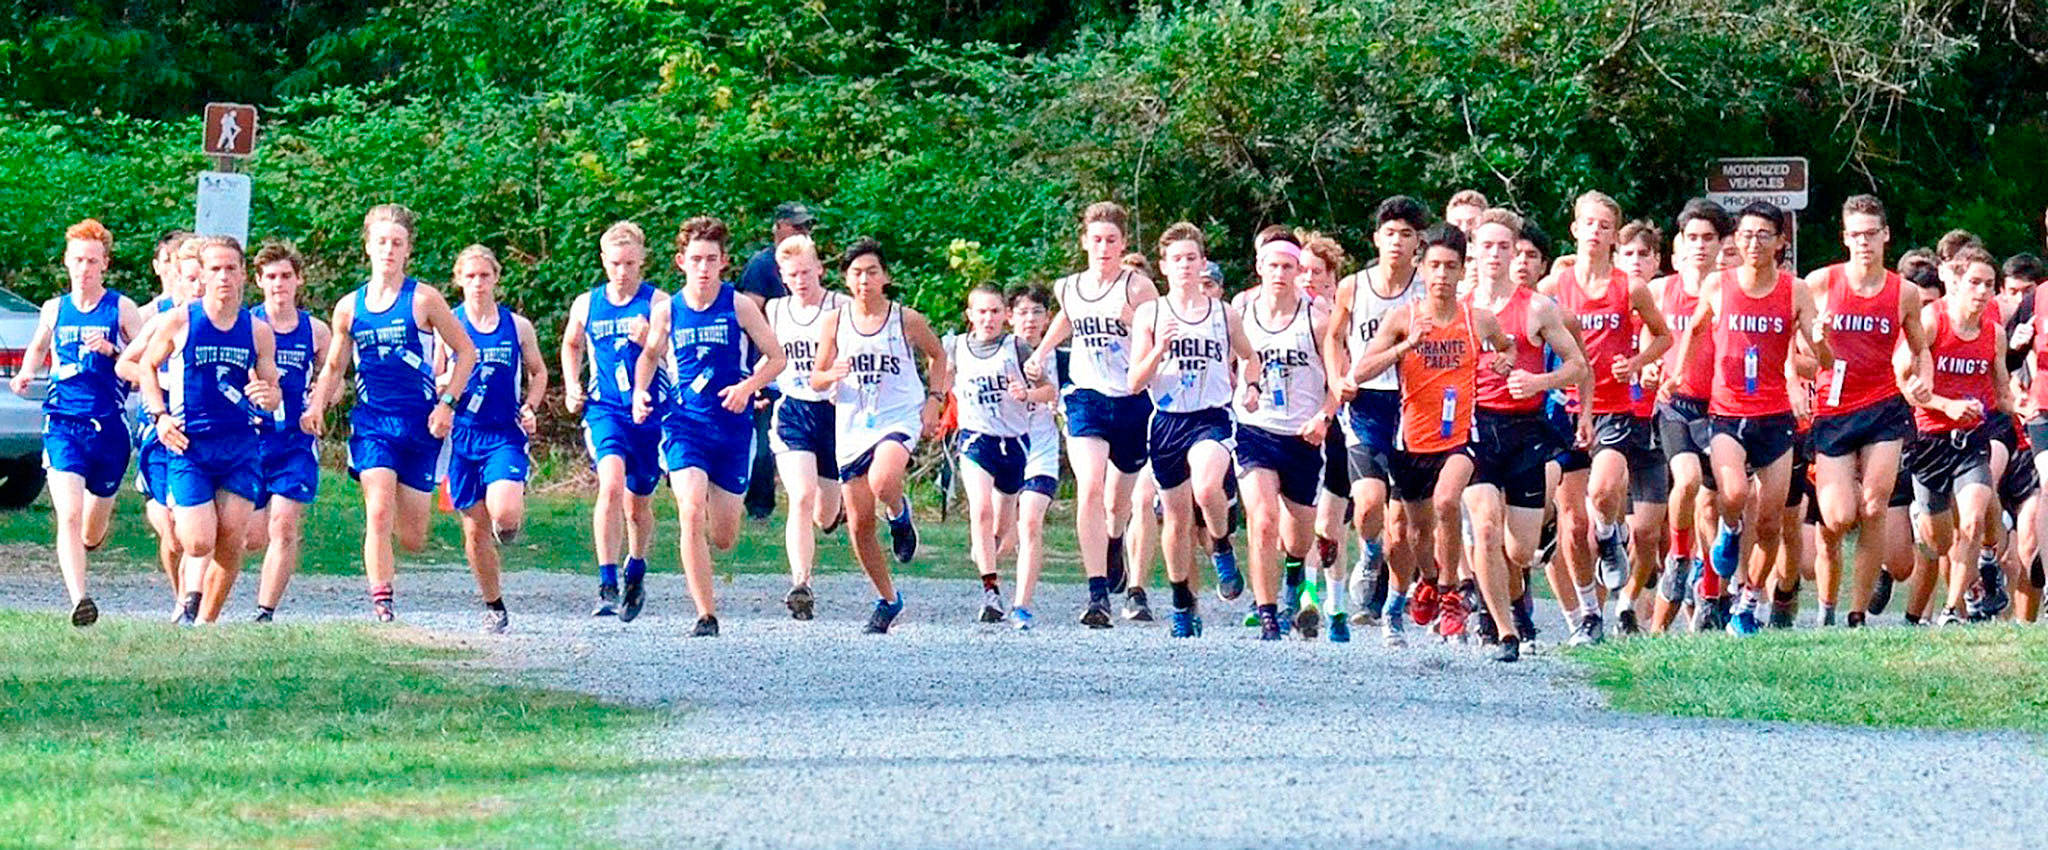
(1863,331)
(1678,306)
(1752,342)
(1608,328)
(1962,368)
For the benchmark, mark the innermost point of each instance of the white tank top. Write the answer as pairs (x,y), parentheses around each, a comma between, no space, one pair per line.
(882,394)
(1291,385)
(1042,456)
(1101,359)
(1196,372)
(1368,310)
(981,386)
(797,328)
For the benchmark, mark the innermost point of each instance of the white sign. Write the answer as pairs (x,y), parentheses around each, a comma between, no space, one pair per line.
(1780,180)
(223,205)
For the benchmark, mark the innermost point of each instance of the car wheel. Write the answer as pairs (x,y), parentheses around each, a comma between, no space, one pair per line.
(20,483)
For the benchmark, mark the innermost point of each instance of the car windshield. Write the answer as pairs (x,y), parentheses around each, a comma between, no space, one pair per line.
(10,302)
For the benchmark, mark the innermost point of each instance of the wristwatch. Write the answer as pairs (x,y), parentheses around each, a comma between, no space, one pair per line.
(448,399)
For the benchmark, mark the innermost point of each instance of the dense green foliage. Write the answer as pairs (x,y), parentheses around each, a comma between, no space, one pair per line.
(967,133)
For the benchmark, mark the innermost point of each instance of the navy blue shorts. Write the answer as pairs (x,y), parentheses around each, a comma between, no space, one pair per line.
(400,444)
(1043,485)
(1842,434)
(1173,435)
(860,465)
(480,457)
(1764,439)
(807,426)
(1299,464)
(1375,417)
(726,458)
(211,464)
(291,468)
(153,471)
(608,432)
(1001,457)
(93,449)
(1117,420)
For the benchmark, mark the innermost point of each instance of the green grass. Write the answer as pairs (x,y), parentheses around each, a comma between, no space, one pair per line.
(127,735)
(1981,677)
(557,534)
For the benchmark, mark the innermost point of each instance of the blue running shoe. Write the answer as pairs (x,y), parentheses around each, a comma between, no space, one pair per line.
(1187,623)
(903,535)
(1269,625)
(1229,582)
(1022,618)
(1340,628)
(1285,619)
(884,616)
(1727,553)
(1743,623)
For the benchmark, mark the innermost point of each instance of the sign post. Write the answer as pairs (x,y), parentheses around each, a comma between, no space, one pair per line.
(1780,180)
(228,135)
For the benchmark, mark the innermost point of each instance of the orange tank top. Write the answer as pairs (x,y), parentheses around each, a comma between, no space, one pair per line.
(1439,382)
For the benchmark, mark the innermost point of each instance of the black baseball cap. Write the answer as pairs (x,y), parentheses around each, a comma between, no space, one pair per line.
(795,213)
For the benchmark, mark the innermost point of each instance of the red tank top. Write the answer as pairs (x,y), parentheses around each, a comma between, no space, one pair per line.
(1608,328)
(1678,307)
(1493,387)
(1962,368)
(1439,378)
(1752,341)
(1863,332)
(2039,388)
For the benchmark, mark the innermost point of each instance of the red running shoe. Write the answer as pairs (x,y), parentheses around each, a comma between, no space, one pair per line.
(1423,606)
(1450,619)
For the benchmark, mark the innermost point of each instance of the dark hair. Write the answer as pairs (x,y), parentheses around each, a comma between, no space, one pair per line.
(1767,211)
(1924,276)
(280,251)
(2026,267)
(1272,232)
(1401,208)
(1182,231)
(1031,292)
(985,289)
(860,248)
(1863,205)
(1443,235)
(703,228)
(1701,209)
(1915,259)
(1536,237)
(1641,230)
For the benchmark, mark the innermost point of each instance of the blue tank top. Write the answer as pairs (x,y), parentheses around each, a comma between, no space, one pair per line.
(491,400)
(393,375)
(705,355)
(215,367)
(83,384)
(295,361)
(612,351)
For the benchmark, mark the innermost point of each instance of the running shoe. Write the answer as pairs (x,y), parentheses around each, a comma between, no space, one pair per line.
(1187,623)
(1991,576)
(1394,622)
(1589,631)
(1881,592)
(85,613)
(1625,623)
(1614,558)
(1743,623)
(1284,619)
(1137,608)
(991,606)
(1422,606)
(1097,615)
(707,626)
(263,615)
(383,610)
(497,621)
(884,616)
(1450,619)
(1308,622)
(1949,617)
(903,535)
(1856,619)
(1482,624)
(1229,582)
(801,602)
(837,521)
(188,610)
(1021,618)
(1340,629)
(1355,582)
(1782,614)
(607,601)
(1269,625)
(1509,651)
(1525,619)
(630,602)
(1726,553)
(1119,576)
(1251,618)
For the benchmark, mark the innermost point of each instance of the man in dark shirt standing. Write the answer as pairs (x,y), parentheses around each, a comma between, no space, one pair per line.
(763,281)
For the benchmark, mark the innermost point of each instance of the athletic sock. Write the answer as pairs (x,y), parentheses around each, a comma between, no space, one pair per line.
(497,604)
(267,609)
(1396,601)
(378,593)
(1220,545)
(1727,530)
(1296,572)
(1375,551)
(191,603)
(1183,595)
(1710,584)
(636,569)
(1589,600)
(1098,588)
(1783,597)
(1681,545)
(1326,552)
(988,582)
(1605,530)
(608,575)
(1747,600)
(1269,609)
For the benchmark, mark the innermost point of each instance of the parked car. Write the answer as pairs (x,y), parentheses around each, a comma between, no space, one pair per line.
(21,417)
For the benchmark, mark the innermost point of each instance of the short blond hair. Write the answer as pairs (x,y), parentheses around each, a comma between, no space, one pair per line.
(796,247)
(1467,198)
(624,233)
(1597,197)
(480,252)
(1502,216)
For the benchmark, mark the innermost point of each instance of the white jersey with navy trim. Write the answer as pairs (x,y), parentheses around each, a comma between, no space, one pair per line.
(1195,374)
(1102,335)
(983,376)
(1291,379)
(1368,310)
(797,328)
(882,394)
(1043,455)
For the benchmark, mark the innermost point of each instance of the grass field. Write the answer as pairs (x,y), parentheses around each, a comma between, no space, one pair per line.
(1979,677)
(557,536)
(288,736)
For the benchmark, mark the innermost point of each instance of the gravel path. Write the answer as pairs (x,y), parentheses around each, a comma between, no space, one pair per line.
(948,733)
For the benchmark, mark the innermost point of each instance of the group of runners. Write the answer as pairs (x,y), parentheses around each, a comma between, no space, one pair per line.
(1470,407)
